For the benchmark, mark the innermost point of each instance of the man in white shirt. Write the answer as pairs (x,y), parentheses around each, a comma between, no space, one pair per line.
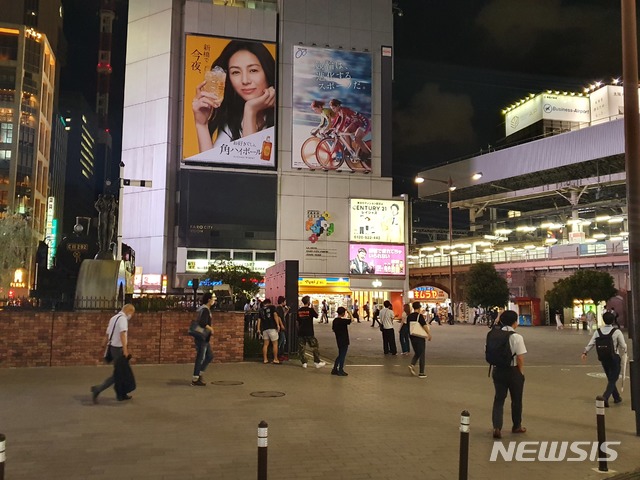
(388,334)
(509,379)
(612,364)
(117,343)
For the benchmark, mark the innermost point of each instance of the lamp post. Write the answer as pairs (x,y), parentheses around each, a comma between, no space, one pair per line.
(450,188)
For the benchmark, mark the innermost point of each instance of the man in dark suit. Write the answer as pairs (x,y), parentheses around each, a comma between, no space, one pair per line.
(358,266)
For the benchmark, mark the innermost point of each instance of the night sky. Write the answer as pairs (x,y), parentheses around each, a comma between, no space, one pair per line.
(457,64)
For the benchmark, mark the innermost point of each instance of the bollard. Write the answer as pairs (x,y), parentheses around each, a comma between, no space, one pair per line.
(464,445)
(2,455)
(602,436)
(262,450)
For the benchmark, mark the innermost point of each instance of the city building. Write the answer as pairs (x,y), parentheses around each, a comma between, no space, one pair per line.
(279,192)
(29,71)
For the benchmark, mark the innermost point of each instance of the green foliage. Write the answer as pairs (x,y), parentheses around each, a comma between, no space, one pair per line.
(242,280)
(17,244)
(484,287)
(162,303)
(583,285)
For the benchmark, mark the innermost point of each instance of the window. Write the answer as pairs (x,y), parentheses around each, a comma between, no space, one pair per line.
(6,133)
(196,254)
(265,257)
(243,256)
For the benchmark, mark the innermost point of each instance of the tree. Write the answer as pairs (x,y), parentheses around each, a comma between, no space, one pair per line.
(242,280)
(17,244)
(584,285)
(484,287)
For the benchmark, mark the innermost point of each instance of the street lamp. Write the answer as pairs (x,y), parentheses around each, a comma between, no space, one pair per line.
(450,188)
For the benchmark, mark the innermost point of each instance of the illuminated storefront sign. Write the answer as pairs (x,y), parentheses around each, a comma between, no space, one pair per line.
(323,282)
(428,294)
(202,265)
(372,259)
(376,221)
(50,231)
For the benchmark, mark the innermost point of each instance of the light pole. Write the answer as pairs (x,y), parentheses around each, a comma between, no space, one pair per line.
(450,188)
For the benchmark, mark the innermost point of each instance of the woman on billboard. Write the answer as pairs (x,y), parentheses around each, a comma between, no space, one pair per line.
(237,97)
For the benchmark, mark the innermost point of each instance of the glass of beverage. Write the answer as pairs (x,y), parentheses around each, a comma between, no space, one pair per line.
(215,80)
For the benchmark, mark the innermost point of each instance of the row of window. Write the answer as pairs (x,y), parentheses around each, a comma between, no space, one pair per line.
(241,255)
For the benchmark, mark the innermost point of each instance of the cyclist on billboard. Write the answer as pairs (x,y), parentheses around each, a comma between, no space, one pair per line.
(349,121)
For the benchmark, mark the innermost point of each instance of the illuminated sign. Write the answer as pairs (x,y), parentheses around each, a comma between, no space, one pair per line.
(429,294)
(323,282)
(219,127)
(50,233)
(380,221)
(202,265)
(373,259)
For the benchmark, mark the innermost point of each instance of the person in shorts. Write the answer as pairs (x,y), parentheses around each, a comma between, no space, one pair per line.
(269,324)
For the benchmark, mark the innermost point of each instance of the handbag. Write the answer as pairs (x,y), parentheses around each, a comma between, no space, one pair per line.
(108,357)
(417,330)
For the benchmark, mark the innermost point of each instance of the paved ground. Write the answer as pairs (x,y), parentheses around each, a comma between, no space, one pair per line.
(378,423)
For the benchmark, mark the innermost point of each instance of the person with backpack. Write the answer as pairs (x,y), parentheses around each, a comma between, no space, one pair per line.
(504,351)
(610,346)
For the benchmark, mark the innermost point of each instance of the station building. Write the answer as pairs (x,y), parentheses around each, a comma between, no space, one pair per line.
(538,209)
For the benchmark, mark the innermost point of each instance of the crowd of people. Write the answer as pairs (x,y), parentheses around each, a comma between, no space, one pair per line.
(504,347)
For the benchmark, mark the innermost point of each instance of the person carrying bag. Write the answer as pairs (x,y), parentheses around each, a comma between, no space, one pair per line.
(418,331)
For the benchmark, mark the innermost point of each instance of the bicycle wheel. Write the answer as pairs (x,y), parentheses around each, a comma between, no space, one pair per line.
(363,164)
(329,154)
(308,152)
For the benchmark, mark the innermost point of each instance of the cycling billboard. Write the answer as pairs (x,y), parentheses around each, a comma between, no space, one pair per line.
(331,109)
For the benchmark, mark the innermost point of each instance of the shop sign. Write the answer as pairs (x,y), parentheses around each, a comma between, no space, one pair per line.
(429,294)
(323,282)
(202,265)
(367,259)
(374,220)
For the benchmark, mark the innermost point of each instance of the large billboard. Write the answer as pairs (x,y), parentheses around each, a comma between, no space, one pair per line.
(371,259)
(380,221)
(229,102)
(331,109)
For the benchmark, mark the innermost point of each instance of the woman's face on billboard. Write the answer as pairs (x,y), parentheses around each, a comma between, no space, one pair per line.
(247,75)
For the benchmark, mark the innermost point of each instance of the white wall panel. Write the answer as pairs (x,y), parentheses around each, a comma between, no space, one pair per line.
(137,40)
(135,91)
(159,42)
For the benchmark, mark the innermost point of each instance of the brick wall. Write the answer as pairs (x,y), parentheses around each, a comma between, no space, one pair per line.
(38,339)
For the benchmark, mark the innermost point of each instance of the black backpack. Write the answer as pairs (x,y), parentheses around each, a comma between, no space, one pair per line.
(604,345)
(497,350)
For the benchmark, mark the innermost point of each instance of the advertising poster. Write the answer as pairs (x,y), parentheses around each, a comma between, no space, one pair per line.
(229,102)
(331,109)
(371,259)
(376,221)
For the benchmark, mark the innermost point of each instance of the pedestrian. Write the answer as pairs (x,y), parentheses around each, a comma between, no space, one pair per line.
(418,343)
(340,328)
(306,336)
(324,317)
(117,344)
(610,345)
(388,333)
(283,312)
(204,355)
(509,377)
(376,316)
(591,319)
(356,311)
(434,316)
(366,314)
(559,325)
(404,329)
(269,324)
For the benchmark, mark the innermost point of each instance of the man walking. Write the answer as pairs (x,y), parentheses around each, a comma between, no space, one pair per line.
(117,342)
(269,324)
(388,333)
(509,377)
(610,345)
(306,314)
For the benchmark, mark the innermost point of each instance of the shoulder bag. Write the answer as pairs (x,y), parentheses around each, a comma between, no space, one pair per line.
(416,329)
(196,331)
(108,358)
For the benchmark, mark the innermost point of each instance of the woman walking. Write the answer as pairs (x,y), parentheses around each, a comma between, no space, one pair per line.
(418,342)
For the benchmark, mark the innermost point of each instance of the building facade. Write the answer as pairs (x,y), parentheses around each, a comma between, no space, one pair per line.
(278,192)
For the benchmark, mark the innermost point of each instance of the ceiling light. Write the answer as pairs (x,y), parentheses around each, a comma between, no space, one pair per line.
(503,231)
(477,176)
(615,239)
(590,240)
(603,218)
(529,247)
(600,236)
(419,180)
(616,220)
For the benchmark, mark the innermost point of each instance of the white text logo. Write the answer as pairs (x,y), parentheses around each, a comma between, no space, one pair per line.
(553,451)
